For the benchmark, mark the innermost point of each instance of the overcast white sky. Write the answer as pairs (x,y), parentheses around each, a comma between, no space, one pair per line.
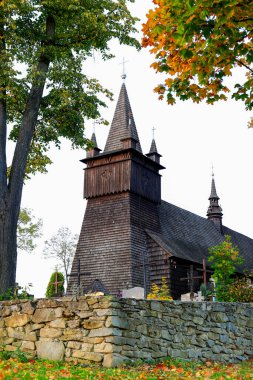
(190,138)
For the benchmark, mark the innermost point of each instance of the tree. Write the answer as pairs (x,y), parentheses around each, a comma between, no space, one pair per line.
(224,259)
(197,44)
(241,290)
(55,286)
(28,229)
(62,246)
(44,94)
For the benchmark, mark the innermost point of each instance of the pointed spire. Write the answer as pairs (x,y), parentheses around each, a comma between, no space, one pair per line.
(94,151)
(213,190)
(94,140)
(123,125)
(153,148)
(214,211)
(153,153)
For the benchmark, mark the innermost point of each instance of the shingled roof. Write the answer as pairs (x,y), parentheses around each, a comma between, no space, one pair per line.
(188,236)
(153,148)
(123,124)
(213,190)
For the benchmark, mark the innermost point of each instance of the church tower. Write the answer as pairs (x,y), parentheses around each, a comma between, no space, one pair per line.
(123,188)
(214,211)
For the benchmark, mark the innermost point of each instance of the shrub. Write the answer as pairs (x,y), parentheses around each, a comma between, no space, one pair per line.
(18,292)
(55,286)
(19,355)
(224,259)
(160,293)
(241,290)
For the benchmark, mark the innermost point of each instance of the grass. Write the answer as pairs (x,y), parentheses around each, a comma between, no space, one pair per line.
(21,368)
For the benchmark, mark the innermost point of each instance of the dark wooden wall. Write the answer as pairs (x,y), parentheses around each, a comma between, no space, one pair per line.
(179,268)
(144,215)
(159,264)
(104,243)
(125,171)
(113,241)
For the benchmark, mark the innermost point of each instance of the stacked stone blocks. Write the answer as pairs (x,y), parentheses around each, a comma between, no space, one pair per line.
(109,331)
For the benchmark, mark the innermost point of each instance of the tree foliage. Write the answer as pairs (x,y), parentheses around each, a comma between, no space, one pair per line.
(56,285)
(197,44)
(161,293)
(224,259)
(63,33)
(44,93)
(241,289)
(62,246)
(28,230)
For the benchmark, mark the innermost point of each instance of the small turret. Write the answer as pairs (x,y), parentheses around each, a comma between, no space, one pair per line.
(214,211)
(153,153)
(95,150)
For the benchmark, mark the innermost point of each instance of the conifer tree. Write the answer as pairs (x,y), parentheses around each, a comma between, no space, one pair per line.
(56,285)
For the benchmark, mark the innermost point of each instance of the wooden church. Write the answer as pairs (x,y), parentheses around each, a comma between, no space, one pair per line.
(131,237)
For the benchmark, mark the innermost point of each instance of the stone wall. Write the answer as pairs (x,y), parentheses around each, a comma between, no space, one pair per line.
(109,331)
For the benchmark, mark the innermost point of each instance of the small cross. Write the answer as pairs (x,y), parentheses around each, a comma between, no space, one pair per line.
(190,278)
(144,266)
(123,76)
(205,271)
(56,283)
(95,122)
(79,274)
(153,129)
(212,171)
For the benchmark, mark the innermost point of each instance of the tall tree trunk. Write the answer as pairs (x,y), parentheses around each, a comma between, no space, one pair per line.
(8,251)
(11,199)
(3,121)
(4,235)
(3,131)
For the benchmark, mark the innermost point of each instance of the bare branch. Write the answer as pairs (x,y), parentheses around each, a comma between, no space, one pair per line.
(243,64)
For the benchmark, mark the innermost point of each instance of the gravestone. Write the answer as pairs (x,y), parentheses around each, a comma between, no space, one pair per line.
(188,297)
(137,293)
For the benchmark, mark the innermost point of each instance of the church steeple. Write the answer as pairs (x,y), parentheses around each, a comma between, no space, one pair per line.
(94,140)
(214,211)
(122,167)
(94,151)
(123,132)
(153,153)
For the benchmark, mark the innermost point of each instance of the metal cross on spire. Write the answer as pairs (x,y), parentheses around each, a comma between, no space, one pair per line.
(123,63)
(212,171)
(153,129)
(94,126)
(96,122)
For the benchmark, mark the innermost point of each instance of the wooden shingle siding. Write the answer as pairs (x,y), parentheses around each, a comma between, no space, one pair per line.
(143,216)
(145,182)
(104,243)
(112,241)
(159,264)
